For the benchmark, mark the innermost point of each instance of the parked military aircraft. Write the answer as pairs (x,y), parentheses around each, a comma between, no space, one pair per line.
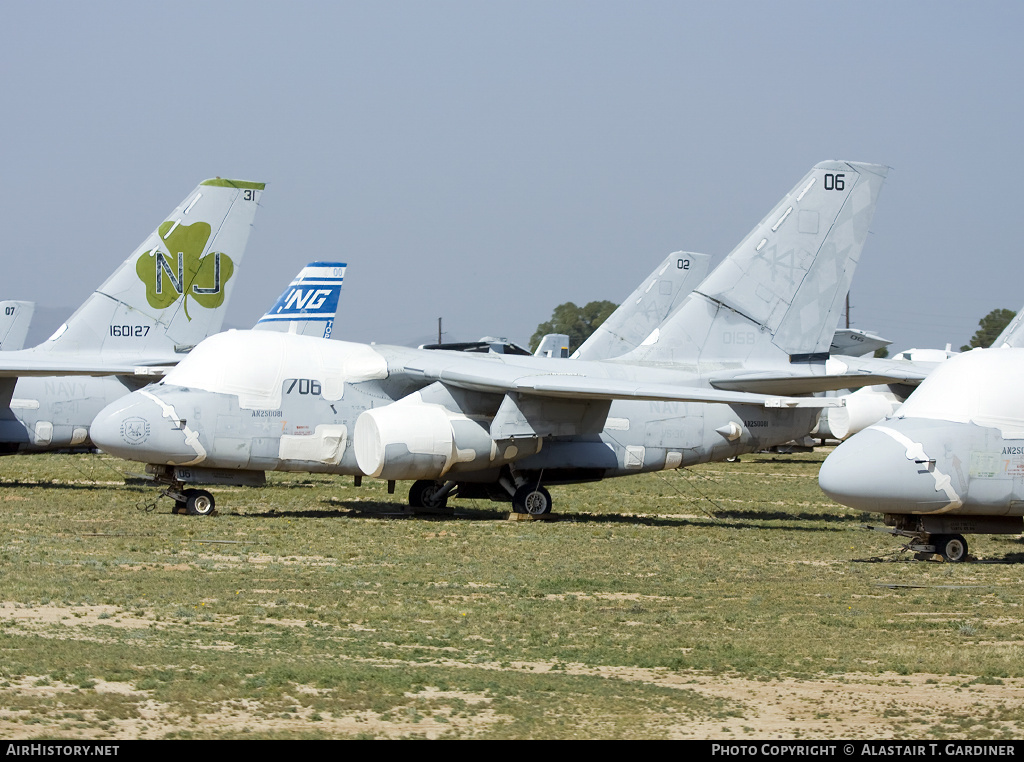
(949,462)
(15,318)
(702,386)
(316,288)
(171,293)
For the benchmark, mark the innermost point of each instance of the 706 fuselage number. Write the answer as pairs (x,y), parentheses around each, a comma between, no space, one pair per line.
(302,386)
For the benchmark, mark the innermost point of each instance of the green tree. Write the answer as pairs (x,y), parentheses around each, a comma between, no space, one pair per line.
(577,322)
(882,352)
(989,329)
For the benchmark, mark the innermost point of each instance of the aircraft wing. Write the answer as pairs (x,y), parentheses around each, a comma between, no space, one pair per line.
(73,365)
(503,379)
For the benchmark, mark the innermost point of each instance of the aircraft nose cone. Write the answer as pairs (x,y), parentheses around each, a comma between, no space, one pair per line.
(872,472)
(850,475)
(138,427)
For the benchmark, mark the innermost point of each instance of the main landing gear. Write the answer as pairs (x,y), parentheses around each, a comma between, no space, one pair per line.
(527,494)
(532,499)
(430,495)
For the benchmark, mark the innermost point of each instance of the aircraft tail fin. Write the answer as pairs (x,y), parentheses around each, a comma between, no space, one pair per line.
(173,291)
(778,295)
(15,318)
(310,303)
(660,294)
(1012,336)
(553,345)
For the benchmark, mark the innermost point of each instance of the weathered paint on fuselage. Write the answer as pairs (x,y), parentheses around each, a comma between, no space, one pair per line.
(925,466)
(55,412)
(307,431)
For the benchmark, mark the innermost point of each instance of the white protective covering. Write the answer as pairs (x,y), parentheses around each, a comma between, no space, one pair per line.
(981,386)
(254,364)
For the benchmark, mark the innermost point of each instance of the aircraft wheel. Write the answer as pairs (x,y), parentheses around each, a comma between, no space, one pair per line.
(198,502)
(952,547)
(423,494)
(531,499)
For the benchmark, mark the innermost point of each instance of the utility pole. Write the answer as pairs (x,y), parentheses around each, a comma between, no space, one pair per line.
(847,319)
(847,309)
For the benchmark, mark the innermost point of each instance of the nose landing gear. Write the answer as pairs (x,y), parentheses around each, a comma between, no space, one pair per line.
(198,502)
(191,501)
(952,547)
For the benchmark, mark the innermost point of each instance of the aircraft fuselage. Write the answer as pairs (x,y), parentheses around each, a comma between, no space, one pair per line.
(55,412)
(301,418)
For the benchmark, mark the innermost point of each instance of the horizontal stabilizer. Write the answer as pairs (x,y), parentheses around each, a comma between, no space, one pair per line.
(75,365)
(852,373)
(856,343)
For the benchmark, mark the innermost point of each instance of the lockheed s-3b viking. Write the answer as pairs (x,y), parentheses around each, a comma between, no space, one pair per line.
(729,371)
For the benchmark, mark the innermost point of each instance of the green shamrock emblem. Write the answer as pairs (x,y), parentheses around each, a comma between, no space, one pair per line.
(185,271)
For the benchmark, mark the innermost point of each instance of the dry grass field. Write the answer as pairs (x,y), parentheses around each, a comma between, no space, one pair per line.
(728,601)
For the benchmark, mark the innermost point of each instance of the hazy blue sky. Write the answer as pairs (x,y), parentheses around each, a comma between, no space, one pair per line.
(486,161)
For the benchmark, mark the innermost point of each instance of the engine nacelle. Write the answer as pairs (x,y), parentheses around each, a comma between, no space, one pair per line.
(412,439)
(863,408)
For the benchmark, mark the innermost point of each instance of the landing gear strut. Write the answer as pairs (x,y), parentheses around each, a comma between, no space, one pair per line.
(194,502)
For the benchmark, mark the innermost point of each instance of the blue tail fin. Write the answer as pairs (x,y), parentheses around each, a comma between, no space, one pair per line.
(310,303)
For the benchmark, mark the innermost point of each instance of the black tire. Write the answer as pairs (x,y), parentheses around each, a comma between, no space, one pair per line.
(423,494)
(531,499)
(952,547)
(198,502)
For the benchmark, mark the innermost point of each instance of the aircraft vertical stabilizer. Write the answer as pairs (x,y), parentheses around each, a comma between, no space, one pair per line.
(310,303)
(1013,335)
(172,292)
(15,318)
(777,297)
(553,345)
(647,307)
